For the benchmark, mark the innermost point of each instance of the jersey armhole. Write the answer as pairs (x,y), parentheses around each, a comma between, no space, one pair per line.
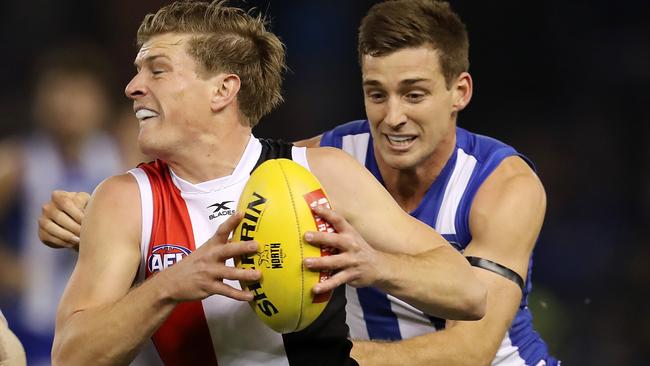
(299,155)
(146,198)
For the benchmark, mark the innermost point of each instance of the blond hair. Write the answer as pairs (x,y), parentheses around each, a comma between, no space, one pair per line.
(227,39)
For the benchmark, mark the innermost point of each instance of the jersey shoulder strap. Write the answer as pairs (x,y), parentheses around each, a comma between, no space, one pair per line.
(273,149)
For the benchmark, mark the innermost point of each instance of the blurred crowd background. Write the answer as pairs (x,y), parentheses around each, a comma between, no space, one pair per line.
(566,83)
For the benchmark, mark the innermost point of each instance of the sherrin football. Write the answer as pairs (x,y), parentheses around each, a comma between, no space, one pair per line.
(276,204)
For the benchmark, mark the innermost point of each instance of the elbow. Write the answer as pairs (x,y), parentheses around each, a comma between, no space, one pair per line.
(62,354)
(474,303)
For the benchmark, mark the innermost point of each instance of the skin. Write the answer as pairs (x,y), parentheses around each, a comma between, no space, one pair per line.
(505,218)
(197,128)
(11,350)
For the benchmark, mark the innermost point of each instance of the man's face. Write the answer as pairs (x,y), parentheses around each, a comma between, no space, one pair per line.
(408,105)
(71,105)
(171,101)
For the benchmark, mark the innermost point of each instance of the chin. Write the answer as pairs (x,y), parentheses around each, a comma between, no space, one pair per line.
(148,148)
(401,162)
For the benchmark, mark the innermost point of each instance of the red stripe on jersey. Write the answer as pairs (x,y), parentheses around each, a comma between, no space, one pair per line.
(184,338)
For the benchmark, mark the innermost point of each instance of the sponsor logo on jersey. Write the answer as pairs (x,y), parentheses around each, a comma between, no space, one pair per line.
(165,255)
(220,209)
(315,199)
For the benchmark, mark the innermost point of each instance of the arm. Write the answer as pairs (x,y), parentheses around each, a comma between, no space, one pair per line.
(311,142)
(59,225)
(95,318)
(505,220)
(392,250)
(11,350)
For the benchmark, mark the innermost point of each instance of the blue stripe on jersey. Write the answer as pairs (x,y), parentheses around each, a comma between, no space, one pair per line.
(434,195)
(530,345)
(489,154)
(333,137)
(427,210)
(381,322)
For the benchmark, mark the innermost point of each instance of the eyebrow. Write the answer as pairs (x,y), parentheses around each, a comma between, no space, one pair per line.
(150,59)
(405,82)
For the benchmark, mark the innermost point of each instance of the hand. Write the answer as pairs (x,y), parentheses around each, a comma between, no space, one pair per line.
(201,273)
(355,263)
(59,225)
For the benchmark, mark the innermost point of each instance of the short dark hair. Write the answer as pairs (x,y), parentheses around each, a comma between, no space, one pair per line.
(394,25)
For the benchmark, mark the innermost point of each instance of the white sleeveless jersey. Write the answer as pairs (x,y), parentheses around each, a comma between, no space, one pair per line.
(224,330)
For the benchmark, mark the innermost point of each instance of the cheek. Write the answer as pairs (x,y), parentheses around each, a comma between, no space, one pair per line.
(374,113)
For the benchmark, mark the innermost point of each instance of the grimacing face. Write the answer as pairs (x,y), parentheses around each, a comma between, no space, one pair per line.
(171,100)
(409,107)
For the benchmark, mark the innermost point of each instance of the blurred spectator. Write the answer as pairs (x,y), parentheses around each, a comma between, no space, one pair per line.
(125,127)
(67,150)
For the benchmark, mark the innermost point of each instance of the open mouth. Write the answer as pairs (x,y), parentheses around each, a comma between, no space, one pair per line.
(400,141)
(145,114)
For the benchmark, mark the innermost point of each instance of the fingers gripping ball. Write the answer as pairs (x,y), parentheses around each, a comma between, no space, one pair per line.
(276,204)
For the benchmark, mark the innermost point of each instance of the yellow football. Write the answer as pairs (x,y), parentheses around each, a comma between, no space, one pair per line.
(276,203)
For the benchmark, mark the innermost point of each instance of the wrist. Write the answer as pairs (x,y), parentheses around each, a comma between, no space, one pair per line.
(162,286)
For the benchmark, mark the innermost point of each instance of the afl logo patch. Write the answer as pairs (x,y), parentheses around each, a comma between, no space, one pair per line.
(163,256)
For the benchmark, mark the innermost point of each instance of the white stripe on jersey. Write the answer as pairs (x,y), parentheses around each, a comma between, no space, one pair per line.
(354,315)
(146,205)
(411,321)
(357,146)
(148,355)
(233,326)
(508,355)
(445,223)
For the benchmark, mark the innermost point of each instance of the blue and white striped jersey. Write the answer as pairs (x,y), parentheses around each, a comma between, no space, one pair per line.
(371,313)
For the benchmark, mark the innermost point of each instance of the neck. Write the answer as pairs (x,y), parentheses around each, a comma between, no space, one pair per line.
(408,186)
(211,156)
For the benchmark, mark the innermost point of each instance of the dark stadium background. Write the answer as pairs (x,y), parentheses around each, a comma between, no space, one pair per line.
(566,83)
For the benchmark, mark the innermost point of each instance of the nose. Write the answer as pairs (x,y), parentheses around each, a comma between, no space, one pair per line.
(135,88)
(395,116)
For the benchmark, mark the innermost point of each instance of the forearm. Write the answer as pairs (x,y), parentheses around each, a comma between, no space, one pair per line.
(439,282)
(11,351)
(447,347)
(112,334)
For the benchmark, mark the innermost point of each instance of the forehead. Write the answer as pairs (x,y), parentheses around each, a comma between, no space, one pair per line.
(168,44)
(409,63)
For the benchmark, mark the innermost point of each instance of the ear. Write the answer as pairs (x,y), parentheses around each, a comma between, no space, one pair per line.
(462,91)
(224,92)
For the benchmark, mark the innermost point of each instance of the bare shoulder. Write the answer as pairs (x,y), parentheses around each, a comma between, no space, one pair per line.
(340,175)
(122,187)
(332,160)
(115,203)
(515,179)
(310,142)
(507,215)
